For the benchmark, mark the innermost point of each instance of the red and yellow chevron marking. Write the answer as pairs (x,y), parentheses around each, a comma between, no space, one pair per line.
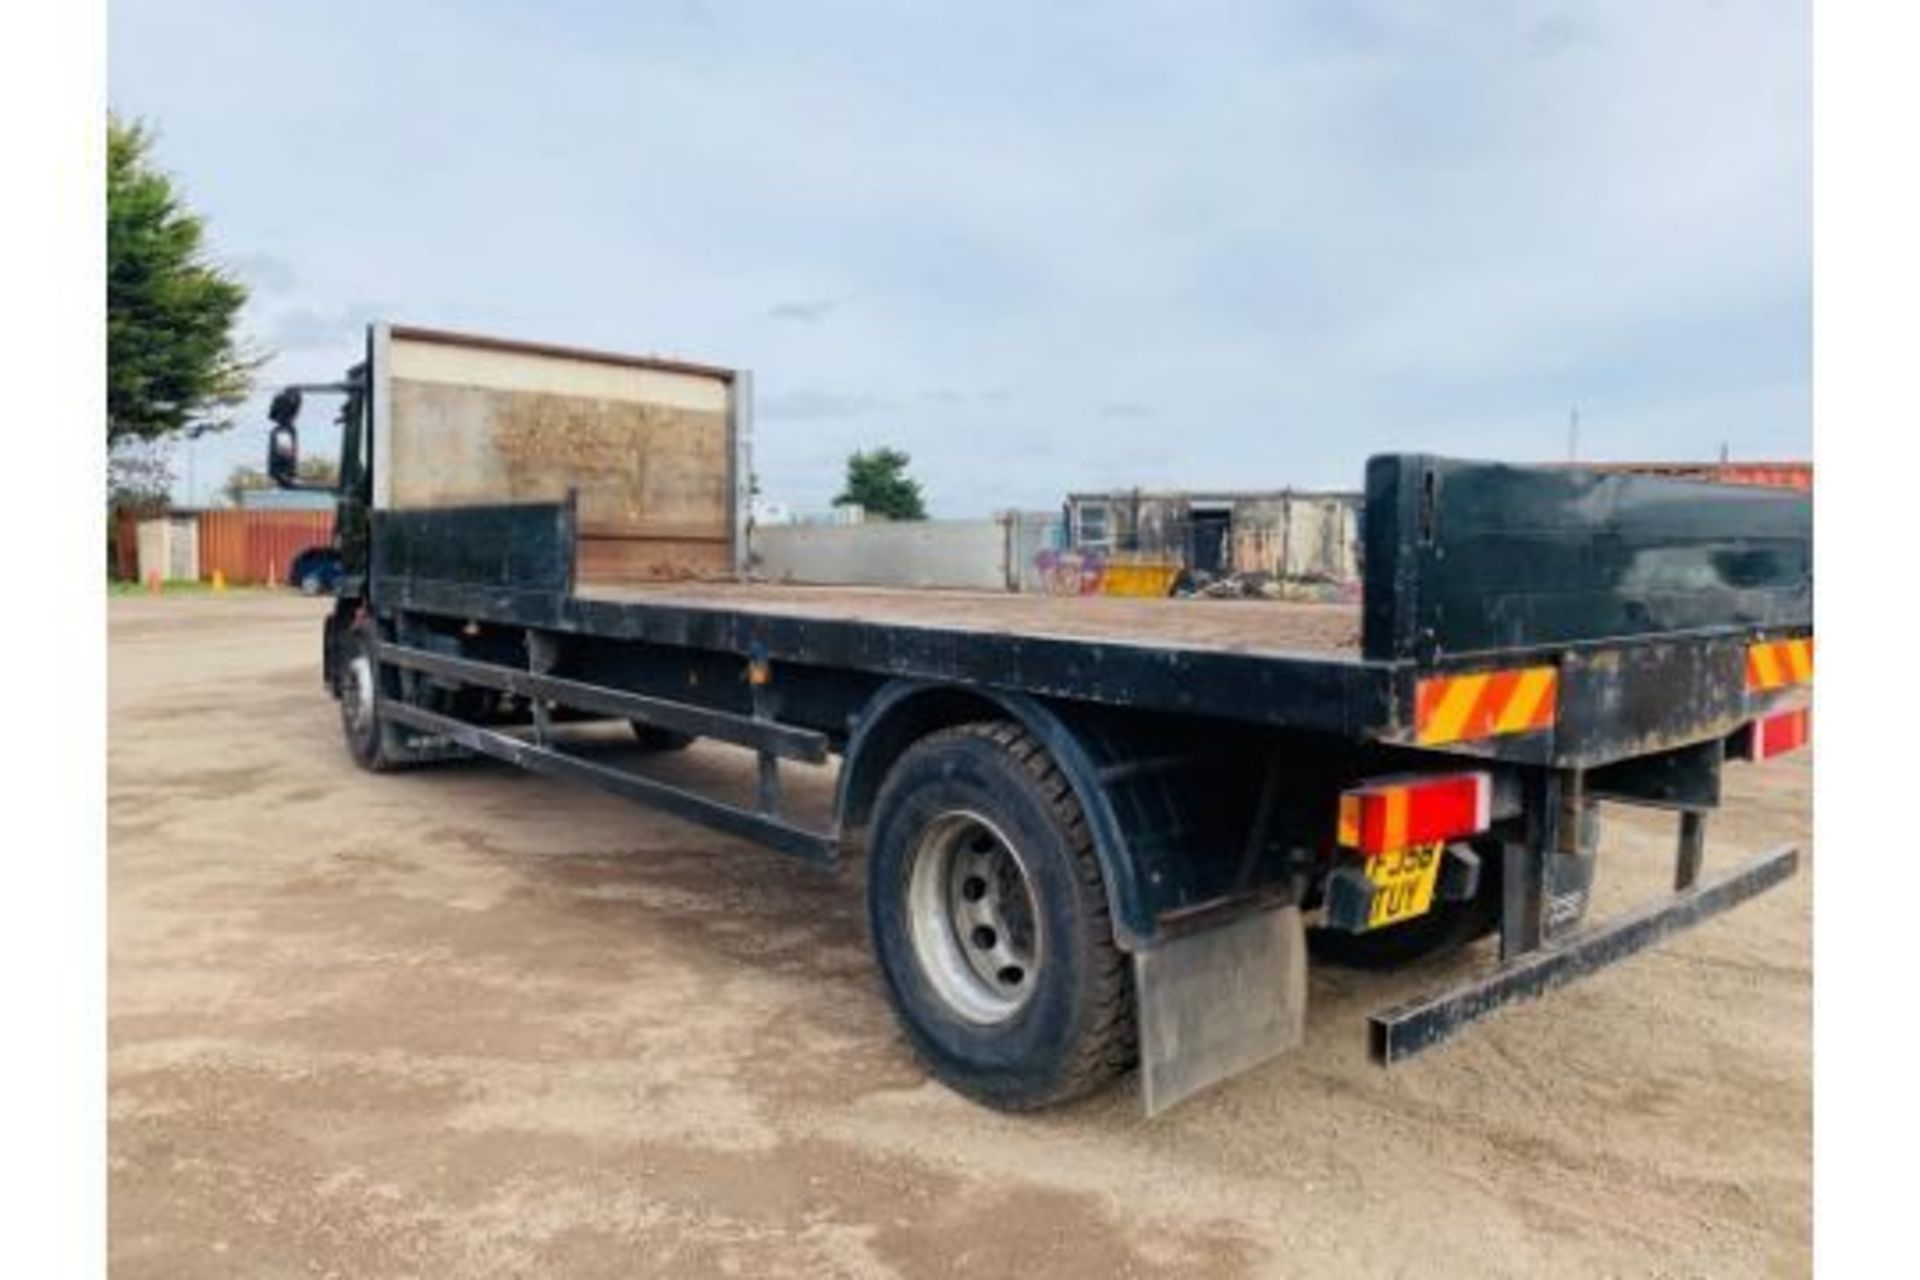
(1485,704)
(1777,664)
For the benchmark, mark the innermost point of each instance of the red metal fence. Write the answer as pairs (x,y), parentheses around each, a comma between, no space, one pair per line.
(243,546)
(257,546)
(124,550)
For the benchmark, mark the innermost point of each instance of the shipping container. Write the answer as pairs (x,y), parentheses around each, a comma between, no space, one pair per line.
(1289,536)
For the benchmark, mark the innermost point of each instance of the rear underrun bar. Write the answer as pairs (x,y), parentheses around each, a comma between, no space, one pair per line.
(1407,1029)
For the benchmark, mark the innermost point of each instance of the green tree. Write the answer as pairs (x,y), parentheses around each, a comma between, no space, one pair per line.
(173,363)
(878,481)
(139,477)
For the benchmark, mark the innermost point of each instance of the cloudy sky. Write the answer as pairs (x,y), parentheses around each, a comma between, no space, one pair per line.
(1038,247)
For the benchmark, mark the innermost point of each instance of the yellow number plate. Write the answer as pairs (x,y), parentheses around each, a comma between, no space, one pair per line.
(1402,883)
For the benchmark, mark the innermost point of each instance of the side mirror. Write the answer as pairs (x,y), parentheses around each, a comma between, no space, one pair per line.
(285,407)
(283,445)
(283,456)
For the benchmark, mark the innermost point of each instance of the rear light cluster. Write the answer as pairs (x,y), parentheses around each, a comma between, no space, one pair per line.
(1776,735)
(1397,813)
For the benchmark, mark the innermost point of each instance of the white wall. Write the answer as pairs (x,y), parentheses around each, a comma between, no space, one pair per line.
(959,554)
(169,546)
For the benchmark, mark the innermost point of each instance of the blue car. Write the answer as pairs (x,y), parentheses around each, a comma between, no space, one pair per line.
(316,571)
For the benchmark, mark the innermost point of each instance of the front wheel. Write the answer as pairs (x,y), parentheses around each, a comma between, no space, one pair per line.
(375,745)
(990,923)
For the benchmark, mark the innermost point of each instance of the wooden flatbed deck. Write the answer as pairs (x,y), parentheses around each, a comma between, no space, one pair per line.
(1226,626)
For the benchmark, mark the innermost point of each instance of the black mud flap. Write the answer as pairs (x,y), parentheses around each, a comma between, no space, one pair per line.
(1408,1029)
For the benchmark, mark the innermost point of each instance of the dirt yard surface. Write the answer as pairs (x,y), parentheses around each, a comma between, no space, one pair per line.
(469,1022)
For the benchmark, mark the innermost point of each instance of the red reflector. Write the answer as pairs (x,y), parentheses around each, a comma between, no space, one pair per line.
(1777,735)
(1396,813)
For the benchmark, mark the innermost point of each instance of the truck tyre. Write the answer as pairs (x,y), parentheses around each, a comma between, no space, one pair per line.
(1447,927)
(651,737)
(374,745)
(989,918)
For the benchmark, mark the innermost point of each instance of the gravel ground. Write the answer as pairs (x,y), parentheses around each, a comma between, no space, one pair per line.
(468,1022)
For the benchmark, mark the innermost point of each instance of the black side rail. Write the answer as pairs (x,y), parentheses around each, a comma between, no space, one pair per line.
(771,740)
(682,717)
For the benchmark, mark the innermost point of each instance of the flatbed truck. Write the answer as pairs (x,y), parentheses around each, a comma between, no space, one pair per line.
(1099,834)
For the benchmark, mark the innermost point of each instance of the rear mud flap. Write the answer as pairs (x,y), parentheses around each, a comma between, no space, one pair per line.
(1220,1001)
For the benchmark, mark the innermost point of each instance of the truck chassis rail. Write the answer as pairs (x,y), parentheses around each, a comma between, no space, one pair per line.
(1407,1029)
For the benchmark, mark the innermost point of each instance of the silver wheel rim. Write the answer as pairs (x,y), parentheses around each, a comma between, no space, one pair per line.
(356,698)
(971,916)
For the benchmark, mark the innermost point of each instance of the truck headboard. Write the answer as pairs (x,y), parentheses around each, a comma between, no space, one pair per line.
(650,451)
(1466,557)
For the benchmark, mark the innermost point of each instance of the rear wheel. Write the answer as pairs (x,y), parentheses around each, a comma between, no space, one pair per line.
(989,919)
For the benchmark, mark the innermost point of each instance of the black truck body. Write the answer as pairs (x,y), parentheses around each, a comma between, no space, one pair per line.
(1535,639)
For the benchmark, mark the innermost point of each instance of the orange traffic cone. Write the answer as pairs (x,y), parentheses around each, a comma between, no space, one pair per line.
(153,582)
